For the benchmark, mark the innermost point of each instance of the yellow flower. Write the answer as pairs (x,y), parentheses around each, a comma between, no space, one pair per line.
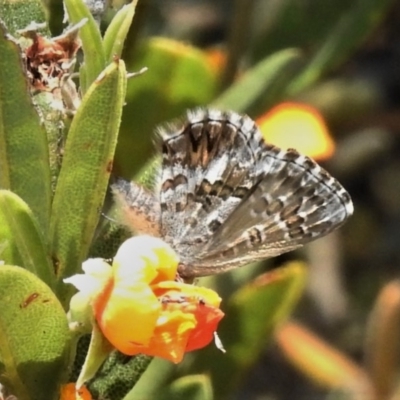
(140,308)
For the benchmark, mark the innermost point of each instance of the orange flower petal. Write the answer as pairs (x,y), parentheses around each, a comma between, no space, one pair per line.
(217,59)
(171,336)
(187,322)
(299,126)
(208,318)
(69,392)
(201,303)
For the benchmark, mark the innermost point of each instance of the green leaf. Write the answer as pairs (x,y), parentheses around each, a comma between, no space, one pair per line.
(278,291)
(114,38)
(34,336)
(262,85)
(351,30)
(118,375)
(252,313)
(153,380)
(94,57)
(24,158)
(18,14)
(85,171)
(99,349)
(153,384)
(56,126)
(24,244)
(194,387)
(165,91)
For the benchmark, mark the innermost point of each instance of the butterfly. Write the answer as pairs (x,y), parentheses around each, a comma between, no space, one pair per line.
(226,198)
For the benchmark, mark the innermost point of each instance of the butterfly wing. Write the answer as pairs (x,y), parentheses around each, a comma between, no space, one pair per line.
(207,168)
(295,202)
(227,198)
(139,210)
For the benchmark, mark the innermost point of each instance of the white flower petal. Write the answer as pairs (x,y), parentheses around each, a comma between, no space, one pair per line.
(97,273)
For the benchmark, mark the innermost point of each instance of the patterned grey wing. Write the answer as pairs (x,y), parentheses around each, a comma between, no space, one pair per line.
(294,202)
(209,164)
(139,209)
